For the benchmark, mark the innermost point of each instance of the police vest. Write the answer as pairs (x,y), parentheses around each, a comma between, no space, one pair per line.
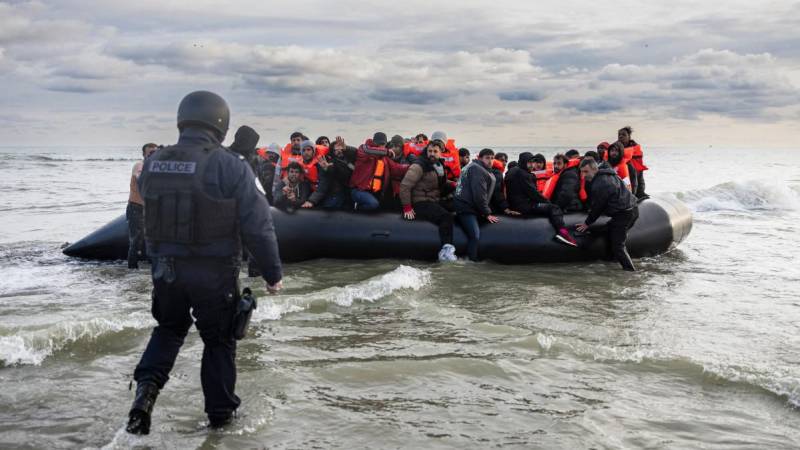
(176,208)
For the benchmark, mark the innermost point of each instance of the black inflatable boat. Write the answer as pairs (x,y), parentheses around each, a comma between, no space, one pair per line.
(308,234)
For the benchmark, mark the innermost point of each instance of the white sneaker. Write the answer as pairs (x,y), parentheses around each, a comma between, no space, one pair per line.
(447,253)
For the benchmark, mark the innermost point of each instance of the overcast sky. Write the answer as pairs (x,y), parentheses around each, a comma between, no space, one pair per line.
(488,73)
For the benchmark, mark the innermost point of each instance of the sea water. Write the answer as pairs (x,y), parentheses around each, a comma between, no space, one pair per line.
(699,349)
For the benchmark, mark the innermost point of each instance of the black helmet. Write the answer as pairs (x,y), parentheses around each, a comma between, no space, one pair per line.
(206,109)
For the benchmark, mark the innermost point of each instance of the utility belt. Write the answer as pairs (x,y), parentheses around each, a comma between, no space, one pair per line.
(246,302)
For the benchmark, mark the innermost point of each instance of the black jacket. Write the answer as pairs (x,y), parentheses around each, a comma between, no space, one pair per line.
(499,203)
(521,187)
(608,195)
(566,193)
(337,177)
(229,177)
(474,190)
(302,192)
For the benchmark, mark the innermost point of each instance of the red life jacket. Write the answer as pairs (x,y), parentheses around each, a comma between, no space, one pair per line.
(636,157)
(497,164)
(550,185)
(412,148)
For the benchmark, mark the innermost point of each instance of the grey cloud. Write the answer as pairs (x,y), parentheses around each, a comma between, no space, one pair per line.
(517,96)
(595,105)
(407,95)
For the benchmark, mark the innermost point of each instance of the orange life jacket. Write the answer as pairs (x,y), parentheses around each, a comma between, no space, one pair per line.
(543,175)
(550,185)
(287,156)
(262,152)
(636,157)
(622,167)
(450,158)
(376,185)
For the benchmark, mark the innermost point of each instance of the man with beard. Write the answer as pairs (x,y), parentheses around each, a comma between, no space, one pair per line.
(421,191)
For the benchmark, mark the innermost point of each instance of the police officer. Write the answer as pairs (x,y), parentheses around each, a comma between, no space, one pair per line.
(201,202)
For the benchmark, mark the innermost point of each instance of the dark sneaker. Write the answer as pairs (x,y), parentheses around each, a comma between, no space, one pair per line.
(564,237)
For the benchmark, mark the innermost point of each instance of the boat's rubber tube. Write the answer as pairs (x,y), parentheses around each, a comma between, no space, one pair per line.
(309,234)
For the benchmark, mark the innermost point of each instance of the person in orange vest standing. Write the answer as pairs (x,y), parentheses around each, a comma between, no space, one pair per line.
(637,159)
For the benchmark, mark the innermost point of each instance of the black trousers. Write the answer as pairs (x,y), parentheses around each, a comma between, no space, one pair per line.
(640,185)
(435,213)
(553,213)
(134,214)
(618,228)
(203,291)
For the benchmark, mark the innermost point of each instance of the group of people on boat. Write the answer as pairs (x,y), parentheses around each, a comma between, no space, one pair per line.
(431,179)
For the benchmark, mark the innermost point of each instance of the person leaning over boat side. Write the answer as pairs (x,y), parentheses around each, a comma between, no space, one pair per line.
(334,169)
(610,197)
(472,199)
(201,203)
(134,213)
(624,137)
(293,190)
(422,190)
(526,199)
(463,157)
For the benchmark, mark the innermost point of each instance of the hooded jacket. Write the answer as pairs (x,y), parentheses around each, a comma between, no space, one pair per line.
(474,190)
(567,189)
(608,195)
(424,182)
(521,188)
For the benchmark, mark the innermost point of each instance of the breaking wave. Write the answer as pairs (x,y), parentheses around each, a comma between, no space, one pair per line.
(370,290)
(32,347)
(743,196)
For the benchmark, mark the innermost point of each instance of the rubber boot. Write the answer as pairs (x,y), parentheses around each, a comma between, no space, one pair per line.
(139,416)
